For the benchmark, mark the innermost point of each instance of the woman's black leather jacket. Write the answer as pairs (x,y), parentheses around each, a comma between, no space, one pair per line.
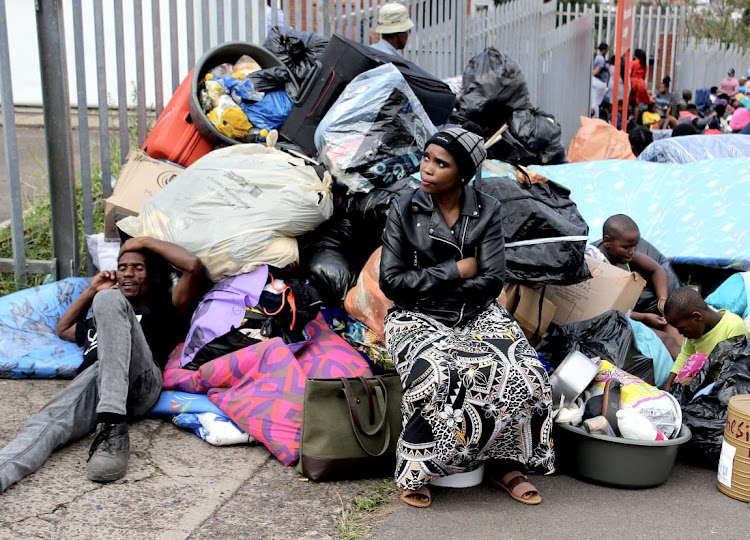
(418,268)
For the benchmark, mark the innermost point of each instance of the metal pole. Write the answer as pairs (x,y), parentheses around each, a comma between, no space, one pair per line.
(11,153)
(56,103)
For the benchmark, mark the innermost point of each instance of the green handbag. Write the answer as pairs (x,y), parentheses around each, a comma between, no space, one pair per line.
(350,427)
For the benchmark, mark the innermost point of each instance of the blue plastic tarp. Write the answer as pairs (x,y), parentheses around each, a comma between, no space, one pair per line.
(691,148)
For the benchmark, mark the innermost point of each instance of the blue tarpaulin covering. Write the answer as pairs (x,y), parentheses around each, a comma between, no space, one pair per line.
(692,148)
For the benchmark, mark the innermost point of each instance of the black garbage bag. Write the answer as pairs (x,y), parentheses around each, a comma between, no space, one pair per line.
(648,301)
(728,368)
(608,336)
(331,258)
(369,212)
(493,87)
(532,138)
(298,51)
(534,215)
(273,78)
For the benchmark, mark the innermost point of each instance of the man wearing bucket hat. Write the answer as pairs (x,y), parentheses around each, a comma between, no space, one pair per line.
(393,26)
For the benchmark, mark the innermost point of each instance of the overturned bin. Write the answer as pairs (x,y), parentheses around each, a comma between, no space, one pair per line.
(224,53)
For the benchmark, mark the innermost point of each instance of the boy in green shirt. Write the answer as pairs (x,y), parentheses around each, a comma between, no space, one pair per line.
(702,327)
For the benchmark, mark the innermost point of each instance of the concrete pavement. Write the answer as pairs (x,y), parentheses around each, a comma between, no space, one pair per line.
(178,487)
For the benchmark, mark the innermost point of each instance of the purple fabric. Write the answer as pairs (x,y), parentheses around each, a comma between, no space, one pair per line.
(222,309)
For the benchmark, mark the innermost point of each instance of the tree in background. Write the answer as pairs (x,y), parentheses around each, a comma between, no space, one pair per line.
(725,20)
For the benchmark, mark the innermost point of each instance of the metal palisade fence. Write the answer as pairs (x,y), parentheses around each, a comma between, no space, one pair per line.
(111,66)
(656,30)
(704,63)
(660,31)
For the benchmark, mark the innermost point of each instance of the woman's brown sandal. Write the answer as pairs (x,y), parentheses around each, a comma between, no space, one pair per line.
(519,488)
(419,498)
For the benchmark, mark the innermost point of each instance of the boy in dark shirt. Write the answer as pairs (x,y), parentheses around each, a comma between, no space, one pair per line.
(620,237)
(135,325)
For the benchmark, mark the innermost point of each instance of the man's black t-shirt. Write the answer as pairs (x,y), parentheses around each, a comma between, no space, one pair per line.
(162,327)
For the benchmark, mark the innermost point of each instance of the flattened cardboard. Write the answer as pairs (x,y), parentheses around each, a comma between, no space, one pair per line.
(523,303)
(609,288)
(141,177)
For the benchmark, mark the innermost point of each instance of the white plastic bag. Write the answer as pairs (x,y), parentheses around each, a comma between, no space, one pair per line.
(237,208)
(375,132)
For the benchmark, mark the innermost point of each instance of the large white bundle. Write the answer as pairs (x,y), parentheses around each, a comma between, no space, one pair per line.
(237,208)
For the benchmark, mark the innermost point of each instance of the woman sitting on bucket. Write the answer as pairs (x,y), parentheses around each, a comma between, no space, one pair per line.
(473,388)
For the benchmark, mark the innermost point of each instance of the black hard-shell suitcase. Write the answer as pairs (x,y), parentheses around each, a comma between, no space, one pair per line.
(341,61)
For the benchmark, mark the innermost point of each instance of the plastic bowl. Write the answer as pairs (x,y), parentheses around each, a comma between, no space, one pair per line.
(461,480)
(226,52)
(615,461)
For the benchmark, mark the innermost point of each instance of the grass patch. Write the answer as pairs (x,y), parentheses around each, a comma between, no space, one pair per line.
(37,225)
(353,524)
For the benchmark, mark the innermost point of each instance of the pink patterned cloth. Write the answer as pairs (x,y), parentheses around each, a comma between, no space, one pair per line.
(261,387)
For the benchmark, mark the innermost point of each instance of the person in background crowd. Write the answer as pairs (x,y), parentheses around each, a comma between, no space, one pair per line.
(394,24)
(638,72)
(687,95)
(688,128)
(650,117)
(599,78)
(663,98)
(474,390)
(640,137)
(714,94)
(729,85)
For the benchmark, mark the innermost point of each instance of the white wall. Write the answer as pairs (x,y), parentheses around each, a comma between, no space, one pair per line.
(24,56)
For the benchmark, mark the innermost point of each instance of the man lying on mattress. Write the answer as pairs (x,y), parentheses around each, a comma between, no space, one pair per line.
(135,324)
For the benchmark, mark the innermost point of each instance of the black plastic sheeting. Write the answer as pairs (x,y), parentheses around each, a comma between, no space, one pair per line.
(298,51)
(330,256)
(728,366)
(539,211)
(333,254)
(369,212)
(533,137)
(493,87)
(608,336)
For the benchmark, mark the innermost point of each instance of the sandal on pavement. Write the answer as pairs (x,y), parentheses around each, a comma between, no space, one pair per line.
(419,498)
(517,485)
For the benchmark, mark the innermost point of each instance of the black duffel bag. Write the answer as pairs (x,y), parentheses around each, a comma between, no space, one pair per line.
(342,60)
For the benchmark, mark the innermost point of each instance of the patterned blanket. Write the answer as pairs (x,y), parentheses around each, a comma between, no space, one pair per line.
(261,387)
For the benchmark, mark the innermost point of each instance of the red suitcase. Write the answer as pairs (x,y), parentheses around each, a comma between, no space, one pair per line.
(174,136)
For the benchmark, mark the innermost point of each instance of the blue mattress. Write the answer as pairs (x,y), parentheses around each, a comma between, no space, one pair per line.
(29,347)
(696,213)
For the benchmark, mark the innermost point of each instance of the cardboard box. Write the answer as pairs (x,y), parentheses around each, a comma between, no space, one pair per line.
(141,177)
(523,303)
(609,288)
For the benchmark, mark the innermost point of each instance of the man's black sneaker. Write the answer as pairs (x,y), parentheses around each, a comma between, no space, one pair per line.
(109,453)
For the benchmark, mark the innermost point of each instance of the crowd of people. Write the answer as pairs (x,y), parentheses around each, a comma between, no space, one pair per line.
(655,115)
